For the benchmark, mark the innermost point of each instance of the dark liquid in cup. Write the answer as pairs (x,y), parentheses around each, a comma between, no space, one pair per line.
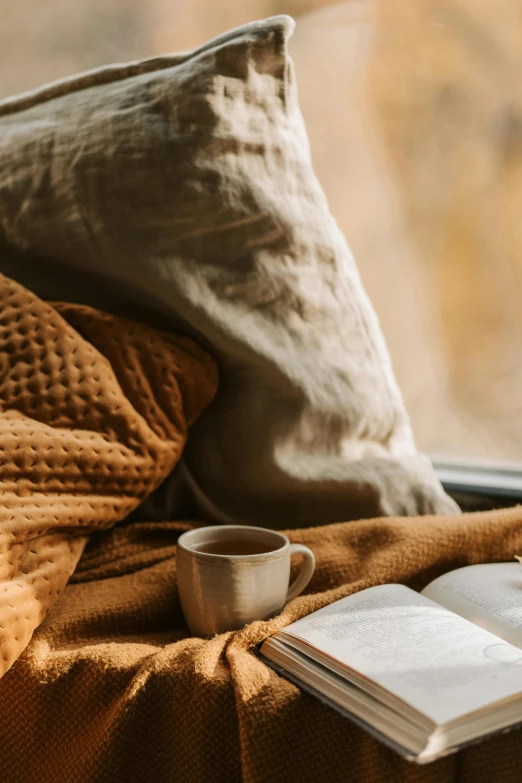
(233,547)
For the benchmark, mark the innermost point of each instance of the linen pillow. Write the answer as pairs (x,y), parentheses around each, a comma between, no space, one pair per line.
(181,190)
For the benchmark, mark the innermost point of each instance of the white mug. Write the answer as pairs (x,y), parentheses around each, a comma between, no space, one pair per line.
(230,575)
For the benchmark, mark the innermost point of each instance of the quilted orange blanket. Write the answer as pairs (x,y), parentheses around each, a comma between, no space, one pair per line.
(110,687)
(93,416)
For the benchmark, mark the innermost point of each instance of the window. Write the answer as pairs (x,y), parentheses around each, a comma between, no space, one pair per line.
(416,130)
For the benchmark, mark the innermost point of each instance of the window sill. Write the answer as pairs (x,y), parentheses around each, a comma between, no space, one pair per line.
(477,485)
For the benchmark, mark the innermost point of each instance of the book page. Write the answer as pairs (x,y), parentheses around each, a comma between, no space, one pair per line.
(434,660)
(489,595)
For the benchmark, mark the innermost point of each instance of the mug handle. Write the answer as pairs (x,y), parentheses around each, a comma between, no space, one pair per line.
(306,572)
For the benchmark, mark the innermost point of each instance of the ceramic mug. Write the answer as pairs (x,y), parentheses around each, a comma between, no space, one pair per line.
(230,575)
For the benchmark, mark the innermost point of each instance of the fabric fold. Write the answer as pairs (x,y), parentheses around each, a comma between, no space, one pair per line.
(94,413)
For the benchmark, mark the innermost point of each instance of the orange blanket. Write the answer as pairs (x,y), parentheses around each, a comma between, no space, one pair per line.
(110,687)
(93,416)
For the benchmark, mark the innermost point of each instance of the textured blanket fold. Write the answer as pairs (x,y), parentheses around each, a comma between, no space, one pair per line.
(110,687)
(93,416)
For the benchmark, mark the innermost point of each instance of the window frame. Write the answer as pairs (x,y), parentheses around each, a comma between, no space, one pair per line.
(495,480)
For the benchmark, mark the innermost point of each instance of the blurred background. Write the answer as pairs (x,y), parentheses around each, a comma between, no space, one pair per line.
(414,111)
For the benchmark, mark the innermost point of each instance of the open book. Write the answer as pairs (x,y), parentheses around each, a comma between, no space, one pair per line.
(425,673)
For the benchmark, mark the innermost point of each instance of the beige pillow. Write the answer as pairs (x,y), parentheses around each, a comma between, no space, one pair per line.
(180,190)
